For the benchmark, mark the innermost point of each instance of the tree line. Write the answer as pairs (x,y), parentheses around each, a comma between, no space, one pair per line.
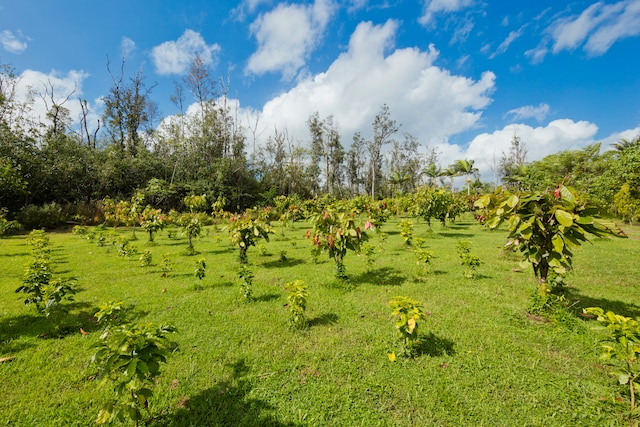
(73,165)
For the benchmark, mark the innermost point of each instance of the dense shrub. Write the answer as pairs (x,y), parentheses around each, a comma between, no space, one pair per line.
(48,216)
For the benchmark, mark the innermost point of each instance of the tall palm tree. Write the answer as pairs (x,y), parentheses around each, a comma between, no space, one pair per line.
(432,172)
(465,168)
(625,144)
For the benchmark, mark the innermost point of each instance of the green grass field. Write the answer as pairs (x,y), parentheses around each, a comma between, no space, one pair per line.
(485,361)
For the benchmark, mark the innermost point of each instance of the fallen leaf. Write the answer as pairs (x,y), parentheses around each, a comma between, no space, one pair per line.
(6,359)
(83,332)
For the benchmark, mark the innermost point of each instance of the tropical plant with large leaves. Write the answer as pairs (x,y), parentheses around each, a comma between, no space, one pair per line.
(335,231)
(245,231)
(545,226)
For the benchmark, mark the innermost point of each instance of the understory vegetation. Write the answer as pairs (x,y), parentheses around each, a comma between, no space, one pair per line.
(311,345)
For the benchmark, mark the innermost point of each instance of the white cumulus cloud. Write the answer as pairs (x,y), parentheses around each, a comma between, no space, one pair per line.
(429,102)
(14,43)
(541,141)
(594,30)
(434,7)
(174,57)
(530,111)
(66,90)
(287,35)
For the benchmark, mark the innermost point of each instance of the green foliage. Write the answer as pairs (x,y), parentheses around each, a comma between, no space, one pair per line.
(129,356)
(192,227)
(196,203)
(406,313)
(124,247)
(627,203)
(623,349)
(423,260)
(47,216)
(111,314)
(297,294)
(201,268)
(336,232)
(245,231)
(368,252)
(6,225)
(246,282)
(406,230)
(430,203)
(145,258)
(42,290)
(152,221)
(545,226)
(469,261)
(166,265)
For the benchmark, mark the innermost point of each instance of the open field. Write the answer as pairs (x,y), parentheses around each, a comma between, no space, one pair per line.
(485,361)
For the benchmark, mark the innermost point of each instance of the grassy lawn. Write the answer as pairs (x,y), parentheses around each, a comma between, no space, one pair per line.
(485,361)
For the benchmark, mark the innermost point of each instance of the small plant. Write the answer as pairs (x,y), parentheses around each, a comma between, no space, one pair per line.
(125,249)
(468,261)
(128,356)
(5,225)
(38,241)
(335,232)
(152,221)
(406,313)
(623,347)
(110,314)
(166,266)
(192,227)
(423,260)
(263,250)
(283,256)
(201,267)
(145,258)
(297,293)
(368,253)
(246,284)
(245,230)
(406,230)
(43,291)
(80,230)
(419,242)
(545,226)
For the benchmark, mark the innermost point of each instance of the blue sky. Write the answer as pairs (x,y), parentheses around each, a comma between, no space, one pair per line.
(460,75)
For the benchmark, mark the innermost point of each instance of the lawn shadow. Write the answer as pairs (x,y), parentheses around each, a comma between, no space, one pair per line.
(221,251)
(12,328)
(324,320)
(59,325)
(289,262)
(459,226)
(460,235)
(385,276)
(267,297)
(16,254)
(226,404)
(618,307)
(435,346)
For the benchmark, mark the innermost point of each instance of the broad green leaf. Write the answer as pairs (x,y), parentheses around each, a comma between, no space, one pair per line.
(565,218)
(567,194)
(412,324)
(558,243)
(623,379)
(513,201)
